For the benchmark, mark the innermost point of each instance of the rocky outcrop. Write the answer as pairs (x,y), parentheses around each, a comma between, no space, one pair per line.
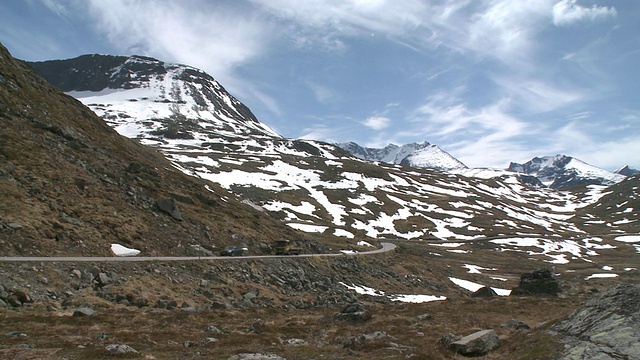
(605,327)
(539,282)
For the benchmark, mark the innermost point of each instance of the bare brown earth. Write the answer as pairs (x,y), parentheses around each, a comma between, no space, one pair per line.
(280,312)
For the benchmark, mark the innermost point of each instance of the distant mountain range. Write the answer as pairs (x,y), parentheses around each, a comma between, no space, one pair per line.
(423,155)
(322,188)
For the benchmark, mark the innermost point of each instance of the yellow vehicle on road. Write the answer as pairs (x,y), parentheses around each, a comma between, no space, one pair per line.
(284,247)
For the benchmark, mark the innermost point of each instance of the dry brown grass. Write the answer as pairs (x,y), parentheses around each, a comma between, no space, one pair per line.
(177,334)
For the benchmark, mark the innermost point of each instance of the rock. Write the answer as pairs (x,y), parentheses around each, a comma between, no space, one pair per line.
(95,272)
(14,226)
(605,327)
(427,317)
(247,356)
(297,342)
(84,312)
(23,297)
(213,329)
(3,293)
(251,294)
(484,291)
(448,338)
(15,334)
(364,338)
(353,312)
(170,207)
(103,279)
(516,325)
(477,344)
(120,349)
(540,282)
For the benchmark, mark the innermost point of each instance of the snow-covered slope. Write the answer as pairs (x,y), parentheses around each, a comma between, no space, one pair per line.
(562,172)
(313,186)
(140,95)
(423,155)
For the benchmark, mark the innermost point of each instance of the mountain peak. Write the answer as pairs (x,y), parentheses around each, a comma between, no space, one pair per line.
(422,155)
(122,88)
(562,171)
(627,171)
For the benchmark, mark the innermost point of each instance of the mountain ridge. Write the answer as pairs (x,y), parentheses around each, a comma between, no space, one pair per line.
(319,188)
(421,155)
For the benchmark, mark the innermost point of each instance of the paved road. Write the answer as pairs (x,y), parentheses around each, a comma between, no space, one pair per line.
(385,247)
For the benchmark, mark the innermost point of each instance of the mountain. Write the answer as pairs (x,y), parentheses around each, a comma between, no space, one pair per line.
(627,171)
(563,172)
(316,188)
(423,155)
(160,98)
(71,185)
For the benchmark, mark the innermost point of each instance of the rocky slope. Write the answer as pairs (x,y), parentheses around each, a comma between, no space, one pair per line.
(72,185)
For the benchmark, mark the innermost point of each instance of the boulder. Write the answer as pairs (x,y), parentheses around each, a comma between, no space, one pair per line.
(354,313)
(477,344)
(84,312)
(516,325)
(605,327)
(484,291)
(120,349)
(170,207)
(539,282)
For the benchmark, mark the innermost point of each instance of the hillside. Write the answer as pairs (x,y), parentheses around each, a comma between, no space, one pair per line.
(72,185)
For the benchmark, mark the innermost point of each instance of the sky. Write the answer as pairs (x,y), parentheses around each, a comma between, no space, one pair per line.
(488,81)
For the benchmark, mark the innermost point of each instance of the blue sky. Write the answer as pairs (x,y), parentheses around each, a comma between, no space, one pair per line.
(489,81)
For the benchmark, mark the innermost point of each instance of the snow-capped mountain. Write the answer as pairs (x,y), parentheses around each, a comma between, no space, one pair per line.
(562,172)
(139,95)
(420,155)
(312,186)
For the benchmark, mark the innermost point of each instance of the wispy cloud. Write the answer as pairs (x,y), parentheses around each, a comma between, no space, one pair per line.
(377,122)
(568,12)
(322,93)
(56,7)
(214,38)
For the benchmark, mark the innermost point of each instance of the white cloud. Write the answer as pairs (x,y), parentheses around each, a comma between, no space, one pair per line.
(56,7)
(505,30)
(568,12)
(212,38)
(377,122)
(537,95)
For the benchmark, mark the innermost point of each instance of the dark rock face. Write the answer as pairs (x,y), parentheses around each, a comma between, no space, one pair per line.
(605,327)
(540,282)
